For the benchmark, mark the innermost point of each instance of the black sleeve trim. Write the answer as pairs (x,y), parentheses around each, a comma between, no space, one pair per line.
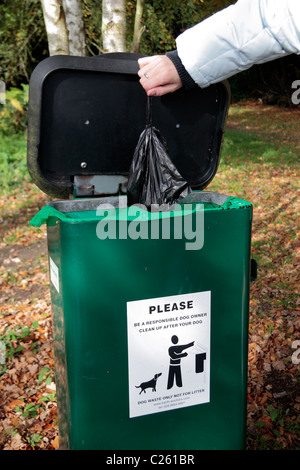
(185,77)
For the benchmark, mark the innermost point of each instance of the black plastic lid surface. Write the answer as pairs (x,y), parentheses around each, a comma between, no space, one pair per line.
(86,114)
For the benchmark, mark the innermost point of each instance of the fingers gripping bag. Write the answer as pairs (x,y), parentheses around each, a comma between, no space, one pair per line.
(153,178)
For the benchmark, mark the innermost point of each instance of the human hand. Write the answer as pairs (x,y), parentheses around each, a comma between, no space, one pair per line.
(158,75)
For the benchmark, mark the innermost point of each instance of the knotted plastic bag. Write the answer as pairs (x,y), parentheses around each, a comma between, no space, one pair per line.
(153,178)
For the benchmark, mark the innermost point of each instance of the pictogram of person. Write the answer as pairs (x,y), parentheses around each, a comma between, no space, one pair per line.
(176,354)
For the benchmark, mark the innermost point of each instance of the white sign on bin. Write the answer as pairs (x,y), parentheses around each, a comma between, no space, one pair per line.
(168,352)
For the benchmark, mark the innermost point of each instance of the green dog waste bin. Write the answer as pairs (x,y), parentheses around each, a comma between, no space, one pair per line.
(150,308)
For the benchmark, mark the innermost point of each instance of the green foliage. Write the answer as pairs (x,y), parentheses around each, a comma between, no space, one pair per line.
(165,20)
(92,14)
(13,115)
(13,124)
(13,340)
(13,168)
(49,397)
(34,439)
(30,410)
(23,40)
(44,375)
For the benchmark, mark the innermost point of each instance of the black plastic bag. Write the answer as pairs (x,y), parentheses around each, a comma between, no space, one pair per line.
(153,178)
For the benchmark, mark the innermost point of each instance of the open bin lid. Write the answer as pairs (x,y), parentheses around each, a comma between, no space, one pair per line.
(86,114)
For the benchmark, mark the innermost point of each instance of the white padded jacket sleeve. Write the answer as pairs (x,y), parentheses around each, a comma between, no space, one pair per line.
(232,40)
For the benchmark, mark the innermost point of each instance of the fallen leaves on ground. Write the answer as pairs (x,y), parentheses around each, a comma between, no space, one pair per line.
(28,418)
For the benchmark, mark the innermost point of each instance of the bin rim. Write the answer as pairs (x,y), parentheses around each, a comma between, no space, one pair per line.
(104,207)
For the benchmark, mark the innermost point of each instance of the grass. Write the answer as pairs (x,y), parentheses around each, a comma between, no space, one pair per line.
(13,168)
(245,150)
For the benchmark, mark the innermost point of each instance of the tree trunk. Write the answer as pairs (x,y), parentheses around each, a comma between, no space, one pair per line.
(75,27)
(64,26)
(54,17)
(138,28)
(113,26)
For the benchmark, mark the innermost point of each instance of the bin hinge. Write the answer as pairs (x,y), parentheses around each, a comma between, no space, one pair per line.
(99,185)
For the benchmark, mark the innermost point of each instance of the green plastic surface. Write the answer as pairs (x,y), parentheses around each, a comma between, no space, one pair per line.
(96,278)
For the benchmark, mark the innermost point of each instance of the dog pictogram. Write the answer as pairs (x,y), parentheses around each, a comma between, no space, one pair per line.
(150,384)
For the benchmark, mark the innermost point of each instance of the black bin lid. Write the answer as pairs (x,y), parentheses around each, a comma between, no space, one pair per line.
(86,114)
